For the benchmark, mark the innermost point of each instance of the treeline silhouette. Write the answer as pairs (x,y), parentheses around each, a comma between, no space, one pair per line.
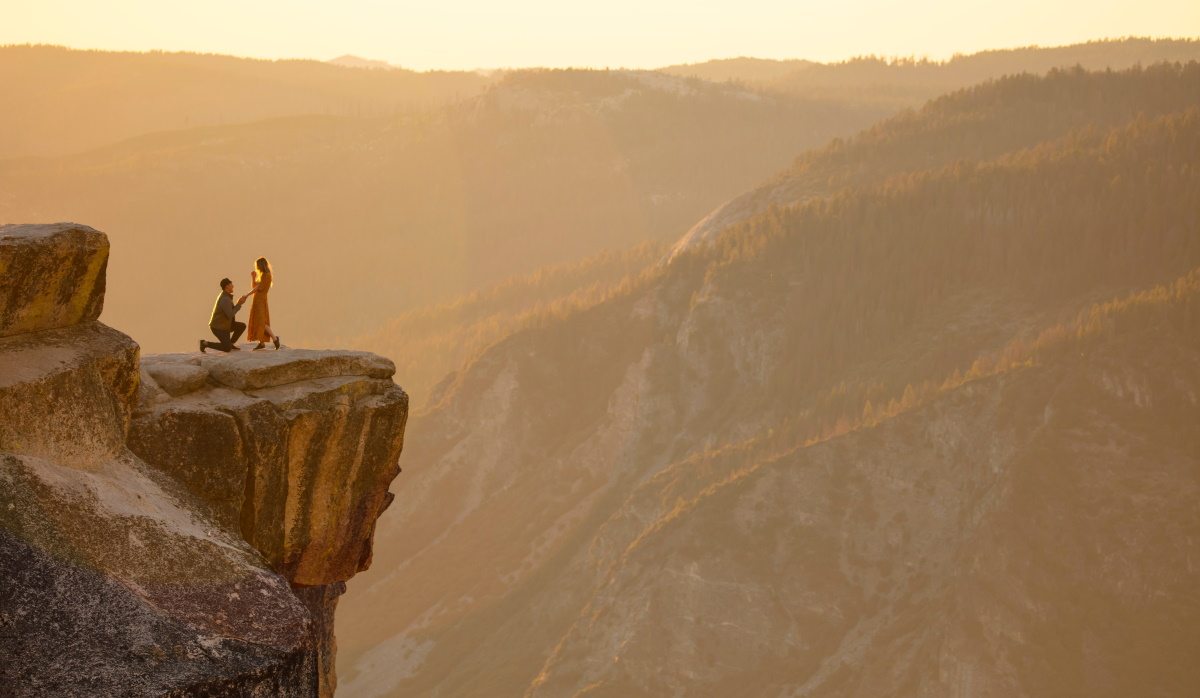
(899,82)
(980,122)
(996,116)
(743,69)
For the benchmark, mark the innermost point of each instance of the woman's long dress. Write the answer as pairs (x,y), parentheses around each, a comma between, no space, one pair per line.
(260,313)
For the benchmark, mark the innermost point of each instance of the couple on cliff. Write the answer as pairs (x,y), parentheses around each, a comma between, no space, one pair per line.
(222,323)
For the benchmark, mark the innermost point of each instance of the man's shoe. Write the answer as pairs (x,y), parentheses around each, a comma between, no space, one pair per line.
(235,348)
(203,346)
(276,340)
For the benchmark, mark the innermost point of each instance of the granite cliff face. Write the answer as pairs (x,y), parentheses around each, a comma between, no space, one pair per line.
(175,525)
(293,449)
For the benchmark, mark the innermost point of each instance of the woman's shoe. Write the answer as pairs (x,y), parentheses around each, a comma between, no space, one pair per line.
(276,340)
(260,346)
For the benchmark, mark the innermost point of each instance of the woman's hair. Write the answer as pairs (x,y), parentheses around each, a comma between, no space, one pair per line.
(263,265)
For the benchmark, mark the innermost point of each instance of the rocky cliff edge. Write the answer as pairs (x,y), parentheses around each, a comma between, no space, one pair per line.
(173,525)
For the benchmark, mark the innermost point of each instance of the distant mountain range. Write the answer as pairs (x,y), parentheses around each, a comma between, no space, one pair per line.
(742,68)
(903,82)
(72,101)
(415,207)
(349,61)
(195,163)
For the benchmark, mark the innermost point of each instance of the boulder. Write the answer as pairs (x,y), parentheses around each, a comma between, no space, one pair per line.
(301,469)
(148,390)
(177,378)
(322,392)
(67,395)
(178,526)
(54,276)
(340,463)
(114,584)
(199,447)
(251,370)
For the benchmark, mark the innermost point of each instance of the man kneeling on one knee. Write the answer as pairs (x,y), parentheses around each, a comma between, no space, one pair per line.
(222,324)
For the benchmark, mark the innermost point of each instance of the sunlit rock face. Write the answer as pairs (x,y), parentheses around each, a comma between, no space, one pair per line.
(57,274)
(179,526)
(300,466)
(67,395)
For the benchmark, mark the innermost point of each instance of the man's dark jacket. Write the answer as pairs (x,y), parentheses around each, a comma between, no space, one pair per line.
(223,312)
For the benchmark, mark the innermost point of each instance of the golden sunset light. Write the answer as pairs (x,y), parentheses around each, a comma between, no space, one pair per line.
(461,35)
(627,350)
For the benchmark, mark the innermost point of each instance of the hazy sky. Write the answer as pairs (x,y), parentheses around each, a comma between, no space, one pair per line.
(464,34)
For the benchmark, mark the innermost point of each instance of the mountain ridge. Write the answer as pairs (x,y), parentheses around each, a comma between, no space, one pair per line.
(471,194)
(785,328)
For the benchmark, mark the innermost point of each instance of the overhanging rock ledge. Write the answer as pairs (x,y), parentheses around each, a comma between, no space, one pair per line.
(173,525)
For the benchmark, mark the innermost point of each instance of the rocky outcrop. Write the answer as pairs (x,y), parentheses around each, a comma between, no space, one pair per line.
(57,274)
(177,525)
(67,395)
(114,585)
(300,467)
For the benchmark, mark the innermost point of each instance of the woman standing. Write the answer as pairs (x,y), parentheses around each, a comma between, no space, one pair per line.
(260,313)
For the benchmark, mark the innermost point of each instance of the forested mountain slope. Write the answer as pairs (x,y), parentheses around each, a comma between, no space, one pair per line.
(1025,534)
(901,433)
(909,81)
(437,340)
(978,122)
